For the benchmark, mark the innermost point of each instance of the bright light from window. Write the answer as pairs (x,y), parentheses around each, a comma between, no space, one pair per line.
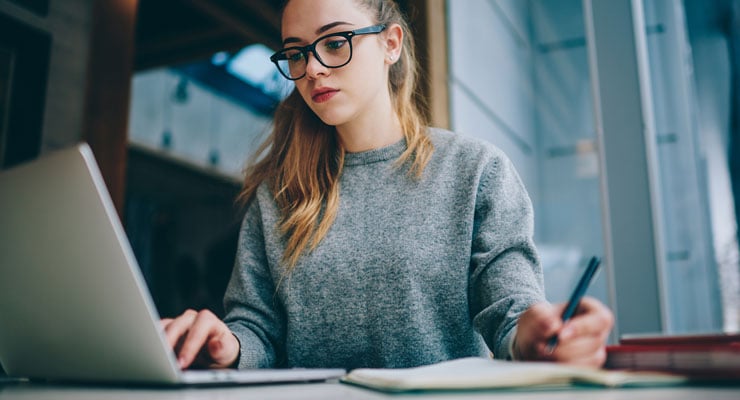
(252,65)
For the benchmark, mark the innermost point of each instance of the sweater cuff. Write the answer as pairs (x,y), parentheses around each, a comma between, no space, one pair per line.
(235,364)
(252,352)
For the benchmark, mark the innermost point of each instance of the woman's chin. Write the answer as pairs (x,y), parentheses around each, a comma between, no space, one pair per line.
(330,119)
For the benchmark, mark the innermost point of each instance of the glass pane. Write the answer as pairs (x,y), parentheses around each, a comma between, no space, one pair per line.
(210,113)
(699,228)
(529,93)
(170,112)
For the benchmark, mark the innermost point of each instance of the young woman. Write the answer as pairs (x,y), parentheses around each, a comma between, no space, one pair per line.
(369,239)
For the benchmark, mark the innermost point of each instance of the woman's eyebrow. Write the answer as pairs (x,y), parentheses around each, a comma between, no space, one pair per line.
(318,31)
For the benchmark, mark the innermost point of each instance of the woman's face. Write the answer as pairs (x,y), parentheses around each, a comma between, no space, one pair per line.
(338,95)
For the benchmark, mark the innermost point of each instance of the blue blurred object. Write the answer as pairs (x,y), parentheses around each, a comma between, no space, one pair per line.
(246,77)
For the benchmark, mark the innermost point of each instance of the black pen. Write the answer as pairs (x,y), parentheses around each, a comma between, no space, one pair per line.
(575,298)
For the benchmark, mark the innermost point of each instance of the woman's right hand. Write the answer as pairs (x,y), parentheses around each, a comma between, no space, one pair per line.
(201,339)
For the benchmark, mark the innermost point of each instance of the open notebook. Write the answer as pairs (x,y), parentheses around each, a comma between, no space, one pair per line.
(482,373)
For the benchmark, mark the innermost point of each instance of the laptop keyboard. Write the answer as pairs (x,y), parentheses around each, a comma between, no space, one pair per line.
(260,375)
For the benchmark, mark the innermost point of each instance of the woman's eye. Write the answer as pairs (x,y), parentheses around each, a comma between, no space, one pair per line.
(335,44)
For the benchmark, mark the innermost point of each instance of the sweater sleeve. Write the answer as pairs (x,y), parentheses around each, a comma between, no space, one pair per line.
(506,277)
(253,312)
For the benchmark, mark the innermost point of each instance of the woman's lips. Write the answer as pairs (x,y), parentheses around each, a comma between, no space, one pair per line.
(321,95)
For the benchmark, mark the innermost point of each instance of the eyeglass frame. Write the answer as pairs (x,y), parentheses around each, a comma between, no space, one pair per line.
(374,29)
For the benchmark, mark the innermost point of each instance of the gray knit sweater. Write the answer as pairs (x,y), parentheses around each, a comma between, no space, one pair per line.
(412,272)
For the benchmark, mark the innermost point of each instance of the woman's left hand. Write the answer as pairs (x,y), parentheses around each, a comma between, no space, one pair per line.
(581,340)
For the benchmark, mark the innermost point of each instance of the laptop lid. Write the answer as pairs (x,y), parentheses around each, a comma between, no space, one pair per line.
(73,302)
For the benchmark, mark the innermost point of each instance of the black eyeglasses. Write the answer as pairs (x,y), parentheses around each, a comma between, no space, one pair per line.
(332,51)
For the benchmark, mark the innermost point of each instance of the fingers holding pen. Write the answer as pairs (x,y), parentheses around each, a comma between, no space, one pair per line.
(582,339)
(592,319)
(580,350)
(535,327)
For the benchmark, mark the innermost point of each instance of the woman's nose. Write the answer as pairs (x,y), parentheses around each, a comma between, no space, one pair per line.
(313,67)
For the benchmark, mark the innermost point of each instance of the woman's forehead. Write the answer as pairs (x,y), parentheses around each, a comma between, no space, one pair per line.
(305,19)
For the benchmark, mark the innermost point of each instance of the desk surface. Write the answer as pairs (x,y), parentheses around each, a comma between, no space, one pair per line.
(341,391)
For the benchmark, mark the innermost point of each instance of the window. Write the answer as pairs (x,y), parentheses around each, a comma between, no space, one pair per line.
(607,125)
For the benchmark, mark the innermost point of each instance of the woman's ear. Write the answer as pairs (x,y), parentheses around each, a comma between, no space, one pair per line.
(393,43)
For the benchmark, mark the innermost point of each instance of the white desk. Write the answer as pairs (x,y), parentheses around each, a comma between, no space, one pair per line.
(323,391)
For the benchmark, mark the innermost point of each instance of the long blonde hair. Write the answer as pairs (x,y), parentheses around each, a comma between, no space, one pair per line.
(301,161)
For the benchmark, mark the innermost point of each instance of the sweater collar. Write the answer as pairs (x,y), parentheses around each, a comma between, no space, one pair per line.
(376,155)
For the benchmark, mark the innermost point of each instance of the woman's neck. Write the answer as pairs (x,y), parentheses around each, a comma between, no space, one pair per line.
(369,131)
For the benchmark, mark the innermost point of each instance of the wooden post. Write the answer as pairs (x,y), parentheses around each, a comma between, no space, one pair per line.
(428,20)
(110,68)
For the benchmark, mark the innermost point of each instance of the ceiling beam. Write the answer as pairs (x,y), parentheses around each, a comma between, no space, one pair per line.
(189,53)
(265,10)
(188,46)
(238,25)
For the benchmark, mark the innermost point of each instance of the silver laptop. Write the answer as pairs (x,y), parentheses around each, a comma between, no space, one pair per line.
(73,303)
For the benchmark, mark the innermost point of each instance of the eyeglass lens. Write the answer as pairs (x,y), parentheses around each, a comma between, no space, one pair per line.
(332,51)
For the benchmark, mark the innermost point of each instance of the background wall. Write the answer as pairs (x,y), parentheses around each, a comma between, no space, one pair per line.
(69,24)
(690,278)
(171,113)
(710,23)
(519,78)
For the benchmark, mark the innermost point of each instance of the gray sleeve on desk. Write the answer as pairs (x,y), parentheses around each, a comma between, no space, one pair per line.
(506,277)
(252,312)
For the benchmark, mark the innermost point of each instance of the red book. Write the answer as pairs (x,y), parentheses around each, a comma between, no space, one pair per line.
(707,356)
(687,339)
